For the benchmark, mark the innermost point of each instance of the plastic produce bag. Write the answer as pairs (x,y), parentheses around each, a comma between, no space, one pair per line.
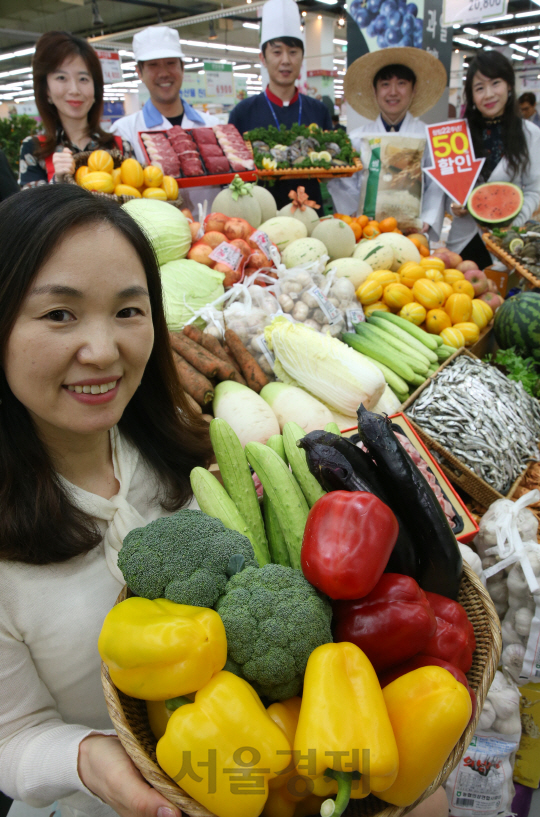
(481,785)
(392,185)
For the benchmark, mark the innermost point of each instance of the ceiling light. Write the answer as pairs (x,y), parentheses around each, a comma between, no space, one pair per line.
(532,53)
(126,53)
(339,42)
(527,39)
(498,19)
(342,73)
(200,72)
(528,13)
(255,26)
(328,2)
(221,46)
(456,51)
(341,22)
(518,48)
(241,67)
(212,33)
(465,65)
(471,31)
(456,25)
(516,30)
(516,57)
(470,43)
(194,65)
(248,2)
(319,16)
(340,62)
(304,14)
(13,54)
(496,40)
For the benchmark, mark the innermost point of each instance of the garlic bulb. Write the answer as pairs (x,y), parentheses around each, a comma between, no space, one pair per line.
(509,635)
(517,583)
(512,659)
(504,696)
(487,716)
(472,559)
(523,619)
(508,726)
(498,590)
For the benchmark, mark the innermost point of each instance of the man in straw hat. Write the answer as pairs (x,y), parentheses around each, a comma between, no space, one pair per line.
(392,86)
(282,53)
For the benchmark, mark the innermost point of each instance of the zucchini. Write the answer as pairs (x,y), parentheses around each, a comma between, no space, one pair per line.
(379,343)
(238,483)
(284,493)
(400,334)
(214,500)
(276,444)
(431,341)
(379,337)
(378,351)
(332,428)
(276,541)
(298,462)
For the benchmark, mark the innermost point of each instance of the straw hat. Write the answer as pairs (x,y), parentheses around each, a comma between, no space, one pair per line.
(429,71)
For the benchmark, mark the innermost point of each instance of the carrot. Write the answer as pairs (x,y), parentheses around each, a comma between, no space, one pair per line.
(213,345)
(251,370)
(193,332)
(200,359)
(193,382)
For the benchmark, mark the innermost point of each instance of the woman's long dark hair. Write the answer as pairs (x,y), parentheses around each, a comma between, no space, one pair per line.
(38,522)
(494,65)
(51,50)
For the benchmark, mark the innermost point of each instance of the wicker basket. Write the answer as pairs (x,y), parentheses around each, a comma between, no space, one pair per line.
(82,159)
(131,722)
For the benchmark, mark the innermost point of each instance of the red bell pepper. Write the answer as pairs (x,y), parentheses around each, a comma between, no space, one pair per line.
(348,539)
(391,624)
(428,661)
(454,639)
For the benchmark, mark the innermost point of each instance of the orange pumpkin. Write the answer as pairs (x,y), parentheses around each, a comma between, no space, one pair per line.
(100,160)
(459,307)
(436,321)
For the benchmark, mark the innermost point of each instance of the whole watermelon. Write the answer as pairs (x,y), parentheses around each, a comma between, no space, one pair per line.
(517,323)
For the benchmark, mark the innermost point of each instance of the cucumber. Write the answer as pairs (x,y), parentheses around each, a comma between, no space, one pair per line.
(276,444)
(214,500)
(418,380)
(396,383)
(276,540)
(431,341)
(444,351)
(367,334)
(388,343)
(284,493)
(238,483)
(402,396)
(402,347)
(298,462)
(368,348)
(400,334)
(332,428)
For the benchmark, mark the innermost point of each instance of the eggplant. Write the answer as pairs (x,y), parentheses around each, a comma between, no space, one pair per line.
(335,472)
(440,562)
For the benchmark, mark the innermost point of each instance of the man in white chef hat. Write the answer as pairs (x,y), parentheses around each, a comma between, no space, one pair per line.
(159,57)
(282,52)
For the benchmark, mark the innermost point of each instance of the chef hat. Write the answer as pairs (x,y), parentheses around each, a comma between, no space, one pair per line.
(280,18)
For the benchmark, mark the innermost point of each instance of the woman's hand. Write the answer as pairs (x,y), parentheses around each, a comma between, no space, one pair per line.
(107,771)
(458,210)
(64,164)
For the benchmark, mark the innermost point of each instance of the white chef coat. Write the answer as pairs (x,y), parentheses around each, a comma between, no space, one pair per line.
(150,119)
(465,228)
(346,192)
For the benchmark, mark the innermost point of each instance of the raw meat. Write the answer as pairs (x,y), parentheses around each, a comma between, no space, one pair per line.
(217,164)
(210,150)
(204,136)
(192,167)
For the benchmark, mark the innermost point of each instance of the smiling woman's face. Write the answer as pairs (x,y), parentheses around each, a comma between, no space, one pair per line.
(490,95)
(81,341)
(70,88)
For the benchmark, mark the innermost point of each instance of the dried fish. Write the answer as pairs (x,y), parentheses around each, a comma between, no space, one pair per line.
(483,418)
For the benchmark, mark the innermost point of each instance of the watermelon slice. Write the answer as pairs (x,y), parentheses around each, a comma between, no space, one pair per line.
(495,202)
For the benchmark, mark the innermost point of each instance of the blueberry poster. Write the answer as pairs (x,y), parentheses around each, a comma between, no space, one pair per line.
(376,24)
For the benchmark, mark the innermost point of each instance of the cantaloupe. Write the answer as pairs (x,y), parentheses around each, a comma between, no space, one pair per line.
(374,253)
(283,230)
(354,269)
(302,251)
(267,202)
(246,207)
(308,216)
(337,236)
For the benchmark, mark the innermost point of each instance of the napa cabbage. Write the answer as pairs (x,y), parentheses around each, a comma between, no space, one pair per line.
(187,287)
(164,225)
(324,366)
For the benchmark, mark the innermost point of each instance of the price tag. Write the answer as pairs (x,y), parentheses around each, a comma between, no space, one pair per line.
(262,241)
(455,167)
(331,312)
(225,253)
(472,11)
(265,349)
(354,316)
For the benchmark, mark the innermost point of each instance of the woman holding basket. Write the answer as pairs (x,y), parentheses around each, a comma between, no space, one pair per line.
(68,88)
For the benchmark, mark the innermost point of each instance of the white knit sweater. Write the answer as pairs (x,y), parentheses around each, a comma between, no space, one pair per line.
(50,688)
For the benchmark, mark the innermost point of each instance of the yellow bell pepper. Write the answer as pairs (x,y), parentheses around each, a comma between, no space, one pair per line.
(224,748)
(344,728)
(290,793)
(158,649)
(428,709)
(158,717)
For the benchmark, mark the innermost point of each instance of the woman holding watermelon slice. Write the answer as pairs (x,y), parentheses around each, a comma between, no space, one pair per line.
(508,144)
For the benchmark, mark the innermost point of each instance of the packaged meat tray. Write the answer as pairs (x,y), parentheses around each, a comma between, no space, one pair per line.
(200,156)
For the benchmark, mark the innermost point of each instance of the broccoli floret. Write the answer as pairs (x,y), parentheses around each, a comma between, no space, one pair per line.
(274,619)
(185,558)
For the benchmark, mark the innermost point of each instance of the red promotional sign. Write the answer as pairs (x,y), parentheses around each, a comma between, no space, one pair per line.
(455,168)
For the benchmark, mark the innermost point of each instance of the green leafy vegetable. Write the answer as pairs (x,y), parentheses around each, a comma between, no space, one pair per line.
(520,369)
